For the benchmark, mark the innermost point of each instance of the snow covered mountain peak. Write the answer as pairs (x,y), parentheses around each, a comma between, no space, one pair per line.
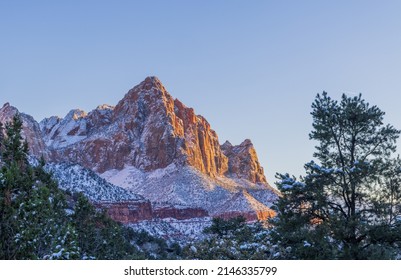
(76,114)
(152,82)
(7,110)
(6,105)
(246,142)
(151,138)
(104,107)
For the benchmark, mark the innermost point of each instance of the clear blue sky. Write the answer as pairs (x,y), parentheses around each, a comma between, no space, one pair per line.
(252,68)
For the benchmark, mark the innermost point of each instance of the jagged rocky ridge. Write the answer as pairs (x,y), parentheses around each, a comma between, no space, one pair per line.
(153,145)
(30,130)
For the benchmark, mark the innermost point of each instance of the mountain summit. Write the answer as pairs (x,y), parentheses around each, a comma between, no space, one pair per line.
(154,145)
(148,130)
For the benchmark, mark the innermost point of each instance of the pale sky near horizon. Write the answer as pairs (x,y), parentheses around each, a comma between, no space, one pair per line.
(251,68)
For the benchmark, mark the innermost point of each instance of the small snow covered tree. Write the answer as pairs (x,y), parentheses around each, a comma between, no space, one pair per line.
(348,204)
(232,239)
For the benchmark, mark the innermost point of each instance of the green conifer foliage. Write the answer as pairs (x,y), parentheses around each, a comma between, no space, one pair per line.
(347,206)
(99,237)
(34,224)
(232,239)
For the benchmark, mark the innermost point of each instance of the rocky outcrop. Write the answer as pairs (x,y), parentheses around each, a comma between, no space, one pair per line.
(127,211)
(243,162)
(100,117)
(30,130)
(59,133)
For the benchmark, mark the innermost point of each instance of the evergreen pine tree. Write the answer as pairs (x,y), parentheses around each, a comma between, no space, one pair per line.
(34,224)
(85,224)
(99,237)
(347,206)
(13,177)
(15,150)
(46,230)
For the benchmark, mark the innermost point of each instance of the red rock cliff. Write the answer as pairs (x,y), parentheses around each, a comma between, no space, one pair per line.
(243,161)
(127,211)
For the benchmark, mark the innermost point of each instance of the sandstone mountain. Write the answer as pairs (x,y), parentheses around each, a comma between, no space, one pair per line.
(153,145)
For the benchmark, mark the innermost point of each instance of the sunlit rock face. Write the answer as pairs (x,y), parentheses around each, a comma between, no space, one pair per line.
(243,161)
(147,129)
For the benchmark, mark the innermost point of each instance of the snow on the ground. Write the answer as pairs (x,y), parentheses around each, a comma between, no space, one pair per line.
(178,185)
(76,179)
(181,231)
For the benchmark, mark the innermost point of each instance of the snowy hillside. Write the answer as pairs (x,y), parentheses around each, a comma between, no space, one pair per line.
(76,179)
(187,186)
